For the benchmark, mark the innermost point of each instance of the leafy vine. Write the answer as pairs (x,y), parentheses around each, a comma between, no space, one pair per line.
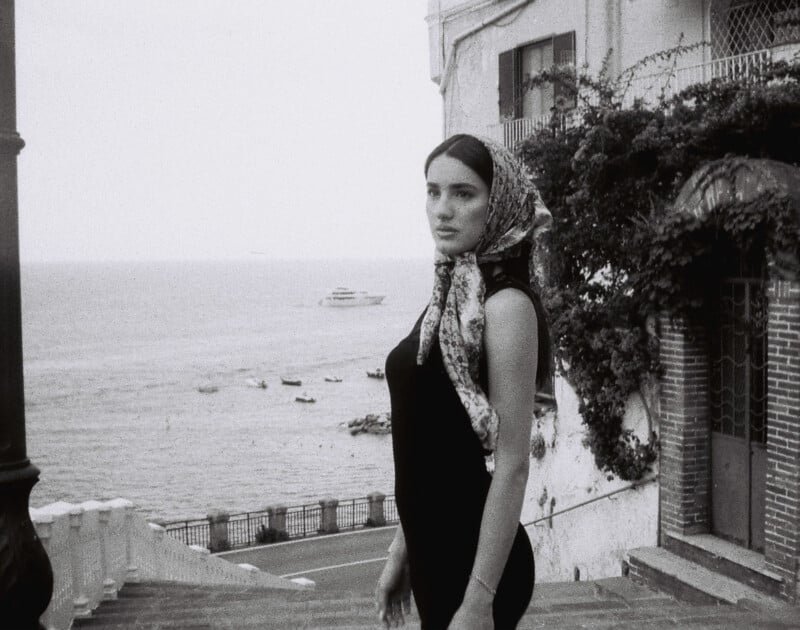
(620,252)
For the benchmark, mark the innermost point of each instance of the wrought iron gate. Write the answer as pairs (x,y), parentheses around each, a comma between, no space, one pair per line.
(738,388)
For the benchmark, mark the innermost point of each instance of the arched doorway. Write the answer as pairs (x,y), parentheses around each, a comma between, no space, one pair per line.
(750,337)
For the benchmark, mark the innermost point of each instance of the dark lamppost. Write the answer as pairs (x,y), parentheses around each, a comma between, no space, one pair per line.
(26,578)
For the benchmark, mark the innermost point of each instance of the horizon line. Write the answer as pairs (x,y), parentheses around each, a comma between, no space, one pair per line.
(255,256)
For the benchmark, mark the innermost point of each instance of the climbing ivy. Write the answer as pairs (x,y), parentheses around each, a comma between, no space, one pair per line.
(620,254)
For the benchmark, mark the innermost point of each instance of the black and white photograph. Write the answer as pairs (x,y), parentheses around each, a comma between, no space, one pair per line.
(441,314)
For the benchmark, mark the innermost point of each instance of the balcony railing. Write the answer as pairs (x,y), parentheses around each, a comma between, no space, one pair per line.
(513,132)
(650,88)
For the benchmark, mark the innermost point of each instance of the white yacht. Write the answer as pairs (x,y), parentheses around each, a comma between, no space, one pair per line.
(342,296)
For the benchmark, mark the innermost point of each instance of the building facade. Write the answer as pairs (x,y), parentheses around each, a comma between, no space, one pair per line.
(481,51)
(729,416)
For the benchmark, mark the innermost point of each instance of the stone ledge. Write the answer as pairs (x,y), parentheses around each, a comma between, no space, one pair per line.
(716,554)
(661,568)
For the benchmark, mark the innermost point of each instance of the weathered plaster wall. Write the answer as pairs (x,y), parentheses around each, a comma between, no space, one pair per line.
(593,538)
(648,26)
(471,96)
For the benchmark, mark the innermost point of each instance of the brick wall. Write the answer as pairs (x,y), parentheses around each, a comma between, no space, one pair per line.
(782,510)
(685,462)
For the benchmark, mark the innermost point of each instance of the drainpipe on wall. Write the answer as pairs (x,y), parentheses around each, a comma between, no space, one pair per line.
(585,32)
(618,36)
(449,63)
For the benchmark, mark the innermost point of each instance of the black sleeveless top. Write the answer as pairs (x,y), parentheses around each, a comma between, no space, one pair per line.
(441,485)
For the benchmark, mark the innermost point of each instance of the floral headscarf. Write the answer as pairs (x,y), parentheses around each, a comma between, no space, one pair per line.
(456,310)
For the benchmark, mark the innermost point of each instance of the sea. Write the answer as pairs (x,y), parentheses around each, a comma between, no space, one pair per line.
(115,355)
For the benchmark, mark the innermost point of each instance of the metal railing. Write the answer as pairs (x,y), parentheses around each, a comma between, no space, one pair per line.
(649,88)
(512,132)
(243,528)
(303,520)
(390,510)
(631,486)
(300,521)
(190,532)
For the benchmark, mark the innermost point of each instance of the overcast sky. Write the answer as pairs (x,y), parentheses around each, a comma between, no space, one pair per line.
(211,129)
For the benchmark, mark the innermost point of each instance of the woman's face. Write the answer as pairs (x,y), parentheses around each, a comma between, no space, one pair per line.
(458,201)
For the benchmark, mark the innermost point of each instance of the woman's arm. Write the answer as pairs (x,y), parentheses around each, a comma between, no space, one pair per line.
(397,548)
(511,346)
(393,591)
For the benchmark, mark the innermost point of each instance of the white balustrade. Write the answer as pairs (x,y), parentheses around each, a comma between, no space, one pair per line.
(131,571)
(651,87)
(95,547)
(80,602)
(44,531)
(513,132)
(109,585)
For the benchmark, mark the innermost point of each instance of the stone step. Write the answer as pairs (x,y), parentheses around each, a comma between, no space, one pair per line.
(212,599)
(614,603)
(661,569)
(166,589)
(743,565)
(715,617)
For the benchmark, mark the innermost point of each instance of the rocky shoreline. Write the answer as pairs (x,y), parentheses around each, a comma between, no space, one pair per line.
(375,423)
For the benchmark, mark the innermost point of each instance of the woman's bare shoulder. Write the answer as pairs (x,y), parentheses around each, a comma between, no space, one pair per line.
(510,308)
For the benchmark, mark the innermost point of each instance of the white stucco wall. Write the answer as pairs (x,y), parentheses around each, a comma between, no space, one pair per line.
(593,538)
(632,29)
(648,26)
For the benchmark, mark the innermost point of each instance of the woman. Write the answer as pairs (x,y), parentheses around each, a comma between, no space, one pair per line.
(462,388)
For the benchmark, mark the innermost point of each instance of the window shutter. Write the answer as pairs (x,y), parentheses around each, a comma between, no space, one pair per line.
(564,55)
(507,89)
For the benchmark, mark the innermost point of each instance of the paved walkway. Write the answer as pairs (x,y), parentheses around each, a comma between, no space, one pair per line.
(348,561)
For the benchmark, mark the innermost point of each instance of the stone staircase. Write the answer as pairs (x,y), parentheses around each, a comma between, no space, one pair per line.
(613,603)
(706,570)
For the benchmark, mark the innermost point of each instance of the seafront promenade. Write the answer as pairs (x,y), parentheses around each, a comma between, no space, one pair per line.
(222,531)
(351,561)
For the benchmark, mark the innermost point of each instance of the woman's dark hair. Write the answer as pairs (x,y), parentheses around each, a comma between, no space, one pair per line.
(469,151)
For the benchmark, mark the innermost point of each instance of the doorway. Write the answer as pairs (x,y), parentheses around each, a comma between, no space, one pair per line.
(738,405)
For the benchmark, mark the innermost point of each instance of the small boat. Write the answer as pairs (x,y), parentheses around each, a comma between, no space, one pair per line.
(342,296)
(333,379)
(256,382)
(305,398)
(208,389)
(291,381)
(376,373)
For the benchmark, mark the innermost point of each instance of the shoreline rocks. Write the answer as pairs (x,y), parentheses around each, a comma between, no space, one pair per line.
(375,423)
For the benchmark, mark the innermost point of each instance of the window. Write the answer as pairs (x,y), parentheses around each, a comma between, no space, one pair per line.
(517,65)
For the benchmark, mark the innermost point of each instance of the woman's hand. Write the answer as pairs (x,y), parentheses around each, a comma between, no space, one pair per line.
(393,592)
(475,612)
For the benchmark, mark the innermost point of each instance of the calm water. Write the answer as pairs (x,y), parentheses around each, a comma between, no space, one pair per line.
(115,353)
